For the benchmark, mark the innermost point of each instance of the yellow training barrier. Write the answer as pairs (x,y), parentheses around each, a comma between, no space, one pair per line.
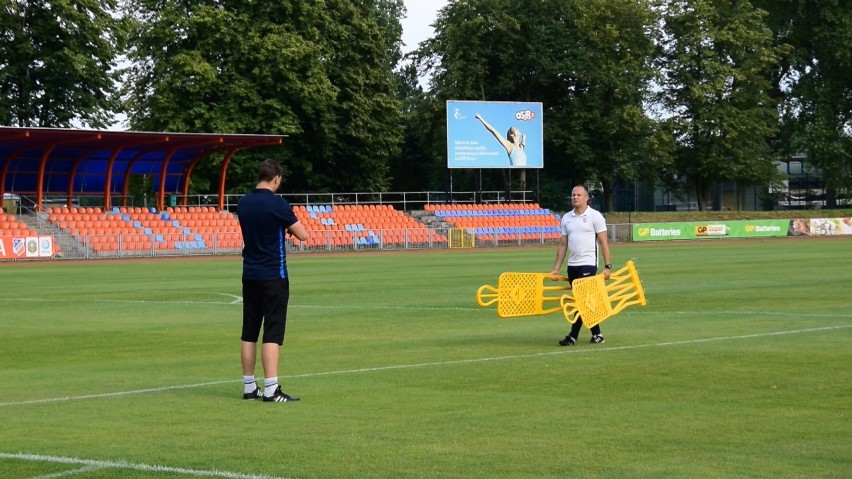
(593,298)
(523,294)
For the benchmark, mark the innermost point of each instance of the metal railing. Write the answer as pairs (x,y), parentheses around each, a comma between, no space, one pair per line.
(321,241)
(399,200)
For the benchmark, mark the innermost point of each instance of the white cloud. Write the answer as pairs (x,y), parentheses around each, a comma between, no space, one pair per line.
(417,26)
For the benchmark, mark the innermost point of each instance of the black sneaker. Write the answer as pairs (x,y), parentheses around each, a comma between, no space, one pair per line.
(256,394)
(568,341)
(597,339)
(279,396)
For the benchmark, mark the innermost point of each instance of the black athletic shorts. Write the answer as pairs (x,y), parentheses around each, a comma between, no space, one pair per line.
(265,304)
(577,272)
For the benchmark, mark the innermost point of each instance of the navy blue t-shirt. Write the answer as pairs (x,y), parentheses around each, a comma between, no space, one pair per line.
(264,218)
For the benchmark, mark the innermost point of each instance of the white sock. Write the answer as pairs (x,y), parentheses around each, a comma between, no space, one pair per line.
(270,385)
(248,383)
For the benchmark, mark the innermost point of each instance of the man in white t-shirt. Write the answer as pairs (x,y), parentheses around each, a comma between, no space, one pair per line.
(583,229)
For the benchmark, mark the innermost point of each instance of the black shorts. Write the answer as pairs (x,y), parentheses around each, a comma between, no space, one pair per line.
(265,304)
(577,272)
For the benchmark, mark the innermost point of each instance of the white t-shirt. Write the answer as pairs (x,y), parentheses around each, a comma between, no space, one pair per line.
(582,236)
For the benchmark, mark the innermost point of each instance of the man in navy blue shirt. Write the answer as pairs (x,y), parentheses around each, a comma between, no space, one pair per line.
(265,219)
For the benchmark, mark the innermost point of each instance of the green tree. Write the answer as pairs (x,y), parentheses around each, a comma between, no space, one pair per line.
(716,58)
(467,59)
(388,15)
(368,130)
(419,165)
(588,62)
(58,62)
(596,74)
(202,66)
(318,72)
(815,85)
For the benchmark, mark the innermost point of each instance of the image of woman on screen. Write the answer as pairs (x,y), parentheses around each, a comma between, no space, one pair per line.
(514,142)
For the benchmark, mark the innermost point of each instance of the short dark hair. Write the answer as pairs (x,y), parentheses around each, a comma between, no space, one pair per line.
(268,170)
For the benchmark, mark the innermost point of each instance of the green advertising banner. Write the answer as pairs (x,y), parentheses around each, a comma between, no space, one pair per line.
(713,229)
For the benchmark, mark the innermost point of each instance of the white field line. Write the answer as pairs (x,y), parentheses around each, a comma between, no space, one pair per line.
(72,472)
(238,300)
(434,364)
(91,465)
(115,394)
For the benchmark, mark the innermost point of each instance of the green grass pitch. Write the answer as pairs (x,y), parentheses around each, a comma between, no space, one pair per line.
(739,366)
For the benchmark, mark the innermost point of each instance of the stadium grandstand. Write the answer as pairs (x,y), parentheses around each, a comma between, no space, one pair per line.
(92,232)
(66,194)
(501,222)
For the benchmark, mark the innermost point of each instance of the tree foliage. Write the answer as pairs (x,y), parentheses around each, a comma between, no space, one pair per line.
(58,62)
(603,72)
(716,58)
(319,72)
(815,84)
(666,92)
(588,62)
(368,131)
(467,59)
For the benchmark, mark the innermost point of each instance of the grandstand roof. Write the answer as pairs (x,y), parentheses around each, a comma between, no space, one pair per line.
(71,162)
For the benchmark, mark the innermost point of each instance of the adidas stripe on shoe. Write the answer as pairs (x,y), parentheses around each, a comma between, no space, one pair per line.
(256,394)
(279,396)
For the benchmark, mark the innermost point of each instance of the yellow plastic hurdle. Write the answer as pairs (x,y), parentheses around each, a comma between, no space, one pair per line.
(595,300)
(523,294)
(530,294)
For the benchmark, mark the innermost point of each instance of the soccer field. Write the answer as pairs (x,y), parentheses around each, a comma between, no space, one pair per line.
(739,366)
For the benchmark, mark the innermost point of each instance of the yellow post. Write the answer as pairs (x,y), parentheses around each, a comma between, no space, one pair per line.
(460,238)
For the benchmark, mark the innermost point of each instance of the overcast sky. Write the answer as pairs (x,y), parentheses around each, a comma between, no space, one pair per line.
(417,26)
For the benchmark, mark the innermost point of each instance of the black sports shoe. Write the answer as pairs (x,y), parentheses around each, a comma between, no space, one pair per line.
(279,396)
(568,341)
(597,339)
(256,394)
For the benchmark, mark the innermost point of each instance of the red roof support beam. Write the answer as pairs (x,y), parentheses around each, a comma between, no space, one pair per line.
(111,165)
(161,190)
(70,190)
(223,175)
(33,160)
(229,153)
(43,165)
(188,174)
(25,134)
(6,169)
